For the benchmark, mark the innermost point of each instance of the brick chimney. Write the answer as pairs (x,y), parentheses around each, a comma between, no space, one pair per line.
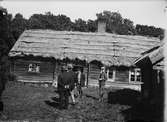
(101,25)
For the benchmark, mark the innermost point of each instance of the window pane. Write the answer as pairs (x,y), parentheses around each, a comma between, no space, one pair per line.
(138,78)
(34,68)
(132,78)
(111,74)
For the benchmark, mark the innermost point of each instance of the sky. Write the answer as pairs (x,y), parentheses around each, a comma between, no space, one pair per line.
(145,12)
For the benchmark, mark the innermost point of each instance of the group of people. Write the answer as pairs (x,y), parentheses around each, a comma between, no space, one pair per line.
(68,81)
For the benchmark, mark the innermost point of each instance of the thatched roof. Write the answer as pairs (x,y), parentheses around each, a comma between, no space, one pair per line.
(110,49)
(155,55)
(160,65)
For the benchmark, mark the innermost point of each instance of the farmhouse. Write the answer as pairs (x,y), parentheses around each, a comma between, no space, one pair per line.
(38,55)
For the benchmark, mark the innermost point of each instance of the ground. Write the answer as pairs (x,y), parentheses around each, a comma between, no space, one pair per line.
(28,102)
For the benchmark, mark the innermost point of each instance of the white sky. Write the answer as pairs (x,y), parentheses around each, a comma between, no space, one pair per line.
(149,12)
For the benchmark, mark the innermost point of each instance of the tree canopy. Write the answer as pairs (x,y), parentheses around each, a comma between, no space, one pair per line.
(6,37)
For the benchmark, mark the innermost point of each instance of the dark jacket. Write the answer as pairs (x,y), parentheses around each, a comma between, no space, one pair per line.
(72,79)
(66,78)
(102,77)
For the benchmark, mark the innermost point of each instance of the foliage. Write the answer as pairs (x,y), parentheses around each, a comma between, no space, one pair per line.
(6,43)
(80,25)
(6,36)
(50,21)
(19,24)
(92,25)
(117,24)
(152,31)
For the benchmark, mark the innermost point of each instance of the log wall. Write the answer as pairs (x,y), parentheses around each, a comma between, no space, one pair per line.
(94,71)
(122,75)
(21,70)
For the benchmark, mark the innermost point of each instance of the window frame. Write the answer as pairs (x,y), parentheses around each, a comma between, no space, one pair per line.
(35,67)
(113,75)
(135,71)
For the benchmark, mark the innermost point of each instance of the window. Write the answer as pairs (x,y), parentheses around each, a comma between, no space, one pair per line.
(110,74)
(135,75)
(34,68)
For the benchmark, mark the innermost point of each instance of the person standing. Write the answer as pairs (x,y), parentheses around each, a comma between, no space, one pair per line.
(72,81)
(102,79)
(62,88)
(81,81)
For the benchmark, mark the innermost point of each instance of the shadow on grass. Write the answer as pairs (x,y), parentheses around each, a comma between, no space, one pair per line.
(52,104)
(124,97)
(55,99)
(90,96)
(143,111)
(139,109)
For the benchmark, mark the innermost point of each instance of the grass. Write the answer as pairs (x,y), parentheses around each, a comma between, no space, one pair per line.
(26,102)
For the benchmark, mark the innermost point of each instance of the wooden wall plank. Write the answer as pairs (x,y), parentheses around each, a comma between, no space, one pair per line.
(122,75)
(21,70)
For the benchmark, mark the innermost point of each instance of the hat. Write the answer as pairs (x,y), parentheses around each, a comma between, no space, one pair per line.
(102,67)
(69,66)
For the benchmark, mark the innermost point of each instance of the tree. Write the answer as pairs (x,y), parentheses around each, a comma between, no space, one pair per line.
(50,21)
(92,25)
(151,31)
(80,25)
(35,22)
(6,36)
(63,23)
(116,24)
(127,28)
(19,24)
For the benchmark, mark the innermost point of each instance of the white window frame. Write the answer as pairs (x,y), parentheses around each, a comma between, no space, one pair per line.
(113,75)
(31,69)
(135,75)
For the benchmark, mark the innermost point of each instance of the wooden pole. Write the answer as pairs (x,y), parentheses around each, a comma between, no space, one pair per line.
(87,74)
(54,68)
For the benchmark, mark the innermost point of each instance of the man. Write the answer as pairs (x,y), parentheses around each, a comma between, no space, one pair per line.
(73,80)
(64,88)
(102,80)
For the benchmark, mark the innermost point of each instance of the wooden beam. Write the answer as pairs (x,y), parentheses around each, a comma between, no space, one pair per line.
(87,74)
(54,68)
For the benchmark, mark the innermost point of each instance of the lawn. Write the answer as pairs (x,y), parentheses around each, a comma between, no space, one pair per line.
(27,102)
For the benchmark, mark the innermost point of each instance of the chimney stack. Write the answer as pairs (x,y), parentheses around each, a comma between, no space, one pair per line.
(101,25)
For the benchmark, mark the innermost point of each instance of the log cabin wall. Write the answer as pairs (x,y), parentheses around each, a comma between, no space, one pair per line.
(94,71)
(122,75)
(21,67)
